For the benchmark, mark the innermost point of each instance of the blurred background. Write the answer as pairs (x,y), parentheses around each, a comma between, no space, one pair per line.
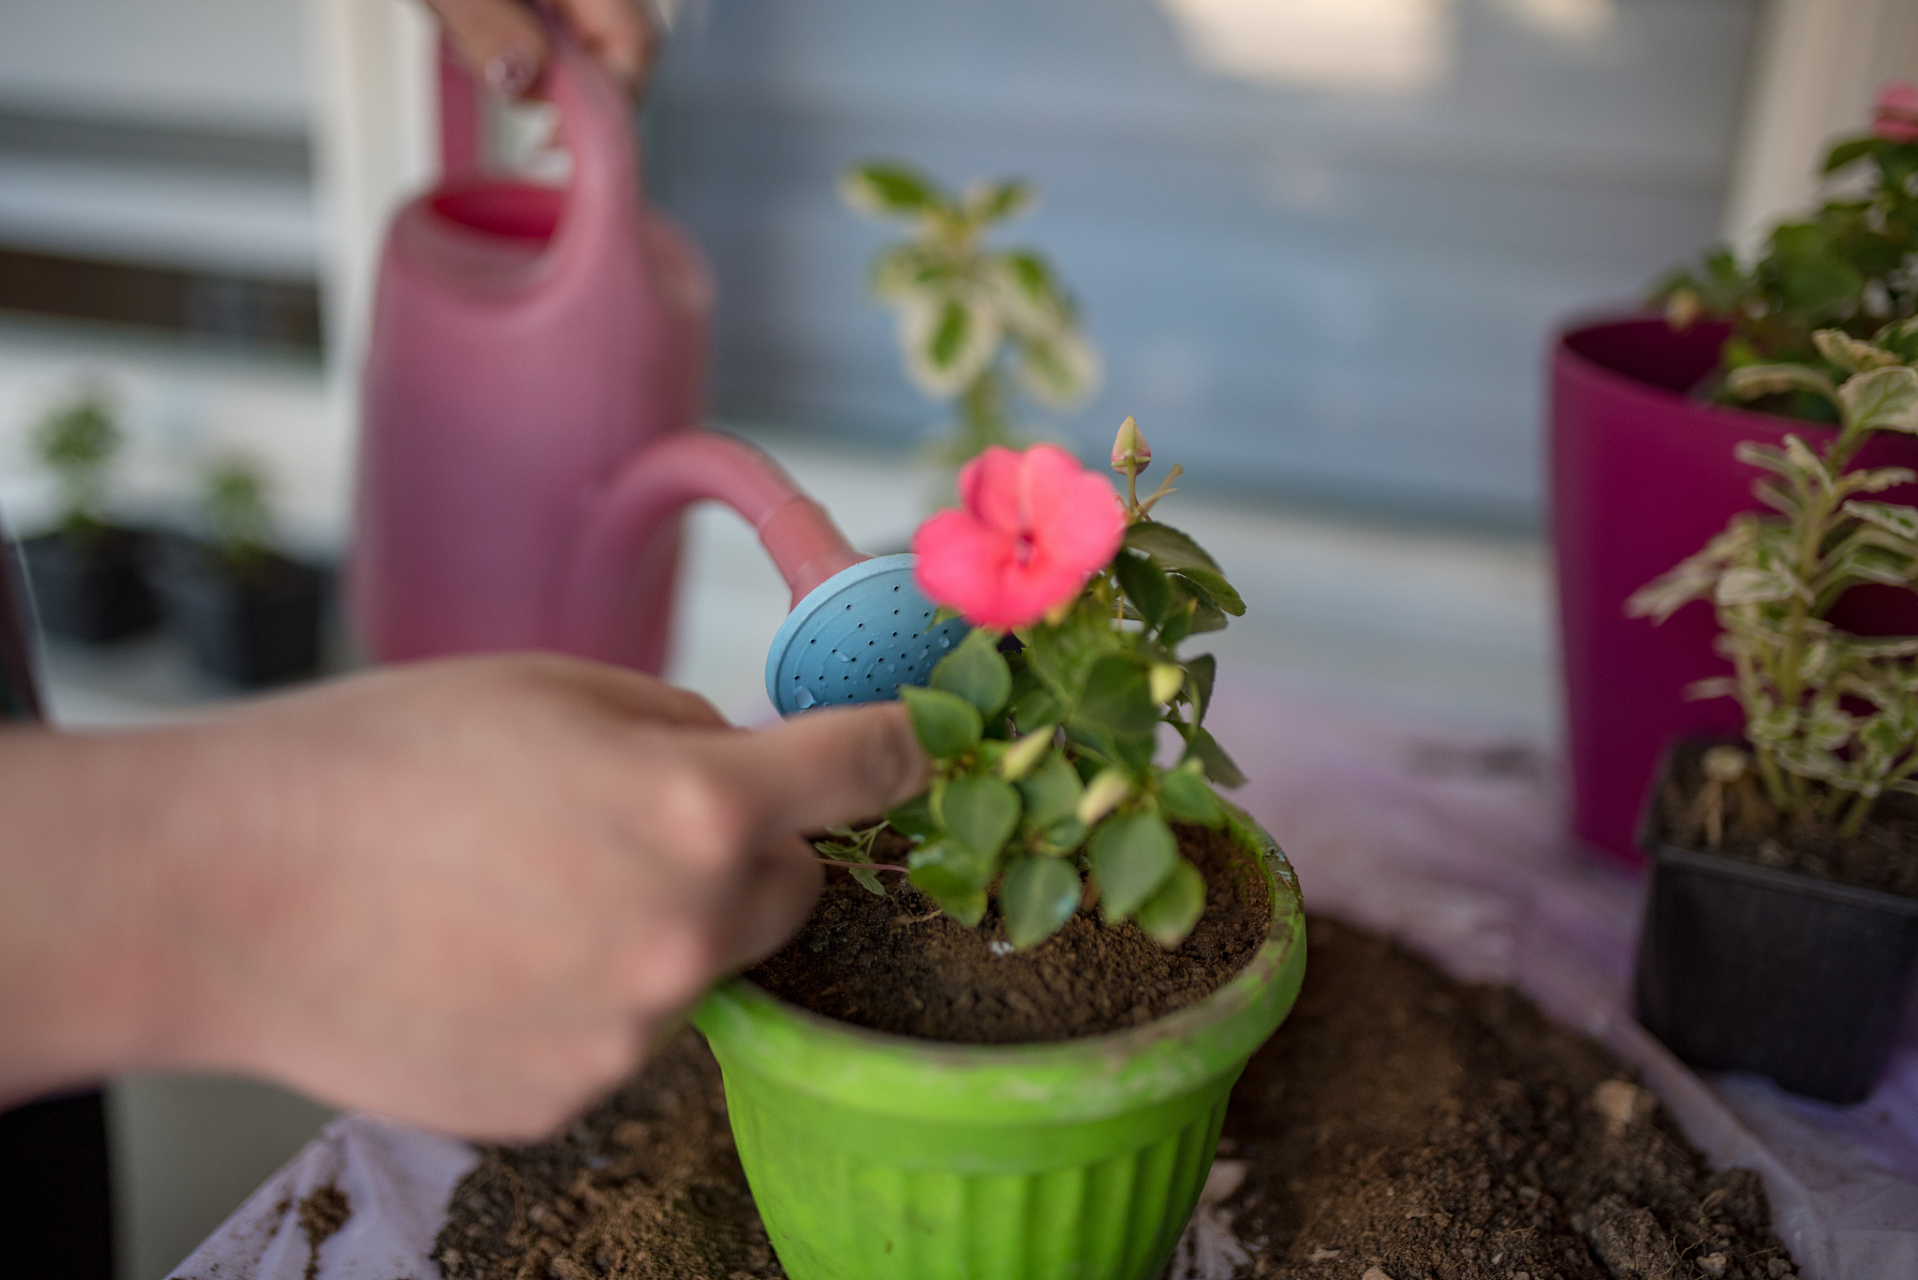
(1321,244)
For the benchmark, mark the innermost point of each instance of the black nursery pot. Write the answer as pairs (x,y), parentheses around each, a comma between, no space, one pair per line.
(1750,968)
(255,627)
(91,587)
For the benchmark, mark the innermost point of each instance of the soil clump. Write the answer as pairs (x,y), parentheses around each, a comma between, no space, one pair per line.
(1400,1124)
(1883,855)
(898,964)
(322,1214)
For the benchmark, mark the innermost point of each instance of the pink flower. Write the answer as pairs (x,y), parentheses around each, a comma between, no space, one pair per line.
(1896,114)
(1034,526)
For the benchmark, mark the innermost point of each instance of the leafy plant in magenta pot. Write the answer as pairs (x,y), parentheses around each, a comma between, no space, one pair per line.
(1781,928)
(1003,1044)
(251,615)
(87,577)
(1642,431)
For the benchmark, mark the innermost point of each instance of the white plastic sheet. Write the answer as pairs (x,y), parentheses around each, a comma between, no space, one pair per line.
(1448,844)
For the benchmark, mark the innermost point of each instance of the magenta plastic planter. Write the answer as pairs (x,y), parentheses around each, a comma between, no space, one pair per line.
(1641,476)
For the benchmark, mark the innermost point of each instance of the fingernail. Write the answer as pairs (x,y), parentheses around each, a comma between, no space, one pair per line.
(512,72)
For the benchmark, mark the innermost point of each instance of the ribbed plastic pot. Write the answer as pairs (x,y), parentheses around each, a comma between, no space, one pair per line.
(875,1155)
(1749,968)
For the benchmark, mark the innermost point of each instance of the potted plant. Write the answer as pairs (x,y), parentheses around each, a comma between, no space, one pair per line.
(250,614)
(1049,827)
(86,572)
(1781,930)
(1641,468)
(974,322)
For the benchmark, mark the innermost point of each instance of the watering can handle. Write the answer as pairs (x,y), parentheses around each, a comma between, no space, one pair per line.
(654,485)
(595,122)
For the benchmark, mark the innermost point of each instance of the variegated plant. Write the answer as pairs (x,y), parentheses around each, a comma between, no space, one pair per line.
(974,322)
(1821,705)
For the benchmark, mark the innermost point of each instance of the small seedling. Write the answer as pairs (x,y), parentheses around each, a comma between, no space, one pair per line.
(77,441)
(1822,706)
(974,322)
(234,508)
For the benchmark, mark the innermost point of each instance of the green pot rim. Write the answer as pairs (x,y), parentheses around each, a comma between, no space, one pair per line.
(1067,1081)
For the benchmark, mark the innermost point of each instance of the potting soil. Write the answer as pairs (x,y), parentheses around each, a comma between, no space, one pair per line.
(1400,1124)
(899,964)
(1883,855)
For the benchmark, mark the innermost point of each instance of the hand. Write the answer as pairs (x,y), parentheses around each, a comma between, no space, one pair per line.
(468,894)
(504,44)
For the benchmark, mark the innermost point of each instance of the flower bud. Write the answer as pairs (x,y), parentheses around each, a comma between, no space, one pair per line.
(1103,794)
(1166,679)
(1019,758)
(1130,453)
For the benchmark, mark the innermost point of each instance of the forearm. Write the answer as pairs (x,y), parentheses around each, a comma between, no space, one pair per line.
(92,878)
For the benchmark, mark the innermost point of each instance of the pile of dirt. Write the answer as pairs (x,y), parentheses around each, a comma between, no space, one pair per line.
(1435,1131)
(1879,857)
(899,964)
(647,1186)
(1400,1125)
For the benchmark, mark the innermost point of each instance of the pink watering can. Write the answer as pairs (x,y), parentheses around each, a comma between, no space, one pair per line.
(533,391)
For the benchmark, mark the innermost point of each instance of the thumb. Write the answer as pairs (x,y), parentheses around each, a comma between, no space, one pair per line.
(824,767)
(500,40)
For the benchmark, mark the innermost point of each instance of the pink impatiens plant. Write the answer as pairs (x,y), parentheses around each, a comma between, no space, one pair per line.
(1044,723)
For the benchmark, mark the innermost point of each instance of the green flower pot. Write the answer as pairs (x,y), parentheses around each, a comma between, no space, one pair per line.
(876,1155)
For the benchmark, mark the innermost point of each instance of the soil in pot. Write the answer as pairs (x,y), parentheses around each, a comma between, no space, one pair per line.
(1399,1120)
(899,965)
(1883,856)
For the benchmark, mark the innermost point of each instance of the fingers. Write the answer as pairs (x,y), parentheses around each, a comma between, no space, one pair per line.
(640,696)
(785,883)
(621,34)
(818,769)
(500,41)
(504,45)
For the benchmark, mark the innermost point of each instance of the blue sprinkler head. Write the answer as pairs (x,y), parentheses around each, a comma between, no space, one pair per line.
(857,637)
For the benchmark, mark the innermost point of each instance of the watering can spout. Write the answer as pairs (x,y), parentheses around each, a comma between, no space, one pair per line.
(636,506)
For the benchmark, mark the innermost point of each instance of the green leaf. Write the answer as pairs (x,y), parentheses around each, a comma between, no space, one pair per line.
(890,189)
(946,867)
(949,334)
(1882,400)
(1168,548)
(1132,854)
(981,813)
(1219,766)
(1756,380)
(1890,516)
(1118,697)
(1145,585)
(1848,152)
(1168,915)
(996,201)
(967,906)
(1051,792)
(1037,896)
(1186,797)
(867,878)
(914,819)
(1215,590)
(1199,674)
(946,723)
(977,672)
(1178,624)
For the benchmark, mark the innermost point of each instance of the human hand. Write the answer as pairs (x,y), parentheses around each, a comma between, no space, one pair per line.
(504,44)
(468,894)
